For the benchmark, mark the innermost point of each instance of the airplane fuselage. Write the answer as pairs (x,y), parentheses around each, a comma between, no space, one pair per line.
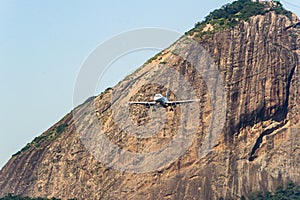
(160,99)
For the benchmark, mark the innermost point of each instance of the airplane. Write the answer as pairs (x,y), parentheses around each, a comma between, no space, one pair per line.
(163,101)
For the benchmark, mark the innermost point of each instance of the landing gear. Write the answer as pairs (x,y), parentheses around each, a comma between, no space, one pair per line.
(171,109)
(156,106)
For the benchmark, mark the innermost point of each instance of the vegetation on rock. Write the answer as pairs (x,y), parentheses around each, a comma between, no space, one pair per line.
(17,197)
(47,136)
(229,15)
(290,192)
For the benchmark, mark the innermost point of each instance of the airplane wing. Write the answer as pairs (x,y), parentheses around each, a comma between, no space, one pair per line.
(182,102)
(150,103)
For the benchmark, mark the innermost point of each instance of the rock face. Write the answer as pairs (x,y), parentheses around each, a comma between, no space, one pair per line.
(257,149)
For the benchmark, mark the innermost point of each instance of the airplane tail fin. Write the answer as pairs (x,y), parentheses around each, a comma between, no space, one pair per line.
(167,94)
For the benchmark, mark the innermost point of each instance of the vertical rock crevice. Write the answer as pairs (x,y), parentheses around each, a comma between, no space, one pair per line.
(279,116)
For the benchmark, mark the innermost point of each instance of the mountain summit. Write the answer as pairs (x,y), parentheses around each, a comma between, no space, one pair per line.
(255,48)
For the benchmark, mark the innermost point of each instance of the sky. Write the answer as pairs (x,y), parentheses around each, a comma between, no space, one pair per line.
(44,43)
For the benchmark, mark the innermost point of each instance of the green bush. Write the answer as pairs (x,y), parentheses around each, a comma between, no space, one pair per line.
(18,197)
(279,10)
(242,9)
(47,136)
(61,128)
(289,192)
(229,15)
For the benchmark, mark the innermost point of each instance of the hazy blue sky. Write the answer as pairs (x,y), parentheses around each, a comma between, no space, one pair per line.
(44,43)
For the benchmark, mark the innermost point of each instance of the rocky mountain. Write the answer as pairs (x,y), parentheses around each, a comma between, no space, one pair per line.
(240,137)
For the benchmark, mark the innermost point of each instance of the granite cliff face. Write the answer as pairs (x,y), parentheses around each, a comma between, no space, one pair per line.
(258,147)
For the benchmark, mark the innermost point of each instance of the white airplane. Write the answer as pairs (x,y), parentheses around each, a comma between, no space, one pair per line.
(159,99)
